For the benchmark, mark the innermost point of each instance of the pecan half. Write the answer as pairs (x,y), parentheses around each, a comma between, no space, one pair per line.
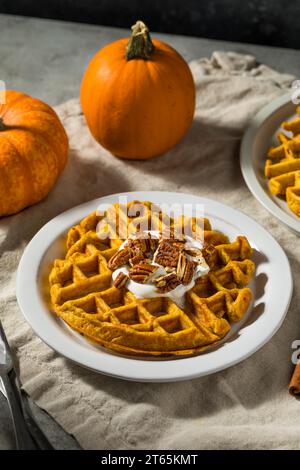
(178,244)
(142,272)
(121,280)
(136,258)
(136,244)
(185,269)
(167,283)
(167,254)
(119,259)
(143,242)
(181,265)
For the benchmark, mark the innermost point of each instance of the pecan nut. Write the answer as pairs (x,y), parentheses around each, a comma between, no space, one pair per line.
(185,269)
(142,272)
(167,254)
(136,258)
(121,280)
(119,259)
(167,283)
(144,243)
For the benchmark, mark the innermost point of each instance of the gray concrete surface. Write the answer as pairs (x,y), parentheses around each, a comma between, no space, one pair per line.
(47,58)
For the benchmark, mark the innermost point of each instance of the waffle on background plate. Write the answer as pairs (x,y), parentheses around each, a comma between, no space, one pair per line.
(83,294)
(283,165)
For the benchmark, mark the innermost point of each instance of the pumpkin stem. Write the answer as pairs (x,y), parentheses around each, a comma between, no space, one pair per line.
(2,125)
(140,44)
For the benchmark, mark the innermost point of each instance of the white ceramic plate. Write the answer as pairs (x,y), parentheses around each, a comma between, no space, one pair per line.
(272,288)
(258,138)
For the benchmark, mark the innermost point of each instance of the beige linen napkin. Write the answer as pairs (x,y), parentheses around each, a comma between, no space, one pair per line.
(246,406)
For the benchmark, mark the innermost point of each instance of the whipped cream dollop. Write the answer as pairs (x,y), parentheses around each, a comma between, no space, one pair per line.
(148,289)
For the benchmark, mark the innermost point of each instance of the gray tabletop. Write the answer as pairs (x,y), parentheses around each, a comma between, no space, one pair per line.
(46,59)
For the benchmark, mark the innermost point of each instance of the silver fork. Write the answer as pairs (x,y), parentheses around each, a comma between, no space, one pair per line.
(27,433)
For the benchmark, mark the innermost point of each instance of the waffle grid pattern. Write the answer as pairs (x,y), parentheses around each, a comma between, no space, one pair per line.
(283,165)
(82,293)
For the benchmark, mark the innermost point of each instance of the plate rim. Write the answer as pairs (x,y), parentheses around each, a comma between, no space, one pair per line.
(247,169)
(25,299)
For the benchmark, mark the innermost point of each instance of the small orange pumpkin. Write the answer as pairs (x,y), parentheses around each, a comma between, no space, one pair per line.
(33,151)
(138,97)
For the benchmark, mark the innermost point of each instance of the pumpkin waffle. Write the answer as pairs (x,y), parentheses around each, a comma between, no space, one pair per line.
(283,165)
(83,293)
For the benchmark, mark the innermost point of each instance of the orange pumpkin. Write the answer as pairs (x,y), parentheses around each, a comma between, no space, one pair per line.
(138,97)
(33,151)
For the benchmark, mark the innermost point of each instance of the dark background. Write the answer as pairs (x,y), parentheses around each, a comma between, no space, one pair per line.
(268,22)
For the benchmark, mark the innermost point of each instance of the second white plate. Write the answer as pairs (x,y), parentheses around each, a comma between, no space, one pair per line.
(272,287)
(258,138)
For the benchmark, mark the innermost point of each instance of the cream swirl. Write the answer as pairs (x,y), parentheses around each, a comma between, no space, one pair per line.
(148,289)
